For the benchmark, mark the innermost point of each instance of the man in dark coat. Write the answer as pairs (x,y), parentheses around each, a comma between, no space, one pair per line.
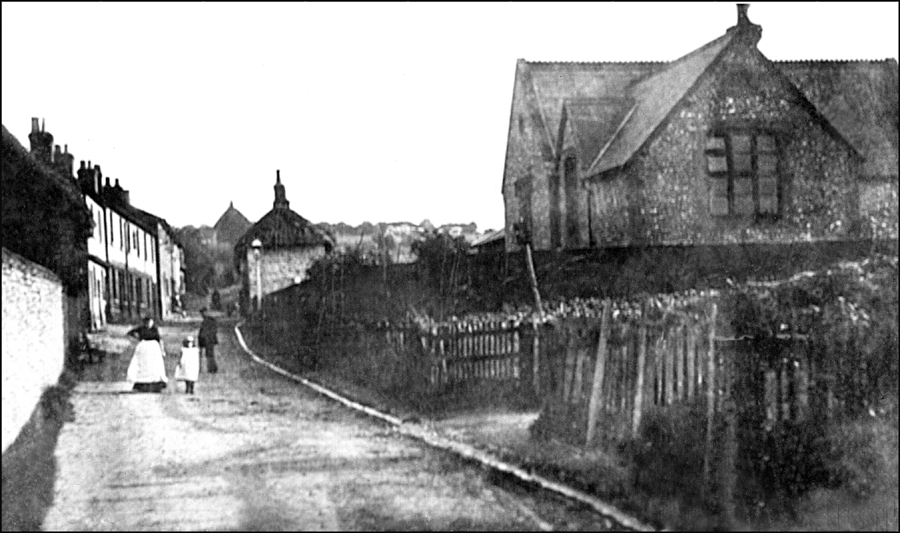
(208,340)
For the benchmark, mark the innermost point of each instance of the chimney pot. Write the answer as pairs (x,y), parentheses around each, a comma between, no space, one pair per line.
(89,164)
(117,183)
(66,149)
(278,176)
(34,125)
(82,164)
(42,125)
(107,181)
(57,149)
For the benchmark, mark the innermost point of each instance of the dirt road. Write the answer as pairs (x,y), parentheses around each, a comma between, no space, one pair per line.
(255,451)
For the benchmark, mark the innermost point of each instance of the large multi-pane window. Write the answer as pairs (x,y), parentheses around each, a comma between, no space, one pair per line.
(743,171)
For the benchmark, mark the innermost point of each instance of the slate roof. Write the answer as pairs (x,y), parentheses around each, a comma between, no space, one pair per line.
(552,84)
(654,99)
(858,99)
(593,122)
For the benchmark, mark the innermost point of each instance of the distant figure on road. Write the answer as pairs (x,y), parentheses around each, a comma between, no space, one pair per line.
(188,369)
(208,340)
(147,368)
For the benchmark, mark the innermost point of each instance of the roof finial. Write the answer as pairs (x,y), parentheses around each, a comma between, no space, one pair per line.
(278,177)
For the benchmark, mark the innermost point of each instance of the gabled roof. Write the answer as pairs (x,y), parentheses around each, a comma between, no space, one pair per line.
(555,83)
(859,98)
(654,98)
(231,225)
(855,100)
(593,122)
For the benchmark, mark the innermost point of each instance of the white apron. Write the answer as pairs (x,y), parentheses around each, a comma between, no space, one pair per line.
(147,365)
(188,368)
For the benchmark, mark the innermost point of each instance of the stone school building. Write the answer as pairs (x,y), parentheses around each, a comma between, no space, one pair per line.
(720,147)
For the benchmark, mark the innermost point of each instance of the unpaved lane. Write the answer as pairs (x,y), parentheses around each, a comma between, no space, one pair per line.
(254,451)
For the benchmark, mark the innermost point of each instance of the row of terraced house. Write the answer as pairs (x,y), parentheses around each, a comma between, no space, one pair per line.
(135,262)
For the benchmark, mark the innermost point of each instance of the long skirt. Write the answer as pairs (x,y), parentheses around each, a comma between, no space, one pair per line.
(147,368)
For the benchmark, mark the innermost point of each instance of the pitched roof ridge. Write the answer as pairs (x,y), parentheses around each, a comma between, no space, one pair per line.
(592,99)
(838,61)
(694,52)
(598,63)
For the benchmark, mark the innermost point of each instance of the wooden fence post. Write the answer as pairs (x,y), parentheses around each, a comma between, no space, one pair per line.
(710,383)
(669,366)
(599,370)
(639,383)
(536,358)
(710,394)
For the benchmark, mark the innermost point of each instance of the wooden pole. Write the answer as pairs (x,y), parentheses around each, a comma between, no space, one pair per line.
(639,382)
(536,364)
(599,371)
(710,394)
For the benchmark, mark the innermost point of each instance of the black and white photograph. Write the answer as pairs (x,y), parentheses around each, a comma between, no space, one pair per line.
(401,266)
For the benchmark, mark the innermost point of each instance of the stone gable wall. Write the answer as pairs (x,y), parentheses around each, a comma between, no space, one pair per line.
(669,184)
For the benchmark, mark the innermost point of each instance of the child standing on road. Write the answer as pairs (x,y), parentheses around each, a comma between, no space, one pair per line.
(188,369)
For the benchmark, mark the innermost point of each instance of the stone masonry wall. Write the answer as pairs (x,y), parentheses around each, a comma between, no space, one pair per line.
(524,158)
(671,206)
(878,207)
(279,268)
(33,339)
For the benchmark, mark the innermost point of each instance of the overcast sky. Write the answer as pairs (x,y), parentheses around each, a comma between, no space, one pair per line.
(378,112)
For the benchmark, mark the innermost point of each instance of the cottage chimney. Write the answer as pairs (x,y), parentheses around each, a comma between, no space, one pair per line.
(41,143)
(281,201)
(742,15)
(746,31)
(85,181)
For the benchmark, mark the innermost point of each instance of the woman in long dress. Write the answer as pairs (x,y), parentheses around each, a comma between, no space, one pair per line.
(148,368)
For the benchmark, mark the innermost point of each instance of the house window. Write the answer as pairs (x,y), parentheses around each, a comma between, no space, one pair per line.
(743,171)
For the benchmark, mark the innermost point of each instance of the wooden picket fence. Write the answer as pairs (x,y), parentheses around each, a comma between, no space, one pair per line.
(465,352)
(604,373)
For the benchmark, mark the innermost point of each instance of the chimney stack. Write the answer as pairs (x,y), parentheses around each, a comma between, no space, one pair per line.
(41,143)
(746,31)
(84,181)
(743,20)
(281,201)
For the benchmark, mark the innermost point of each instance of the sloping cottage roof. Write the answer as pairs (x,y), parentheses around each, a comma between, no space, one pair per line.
(860,99)
(283,228)
(857,101)
(231,225)
(654,99)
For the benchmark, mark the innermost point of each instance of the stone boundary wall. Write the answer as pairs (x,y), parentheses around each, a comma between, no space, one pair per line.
(33,339)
